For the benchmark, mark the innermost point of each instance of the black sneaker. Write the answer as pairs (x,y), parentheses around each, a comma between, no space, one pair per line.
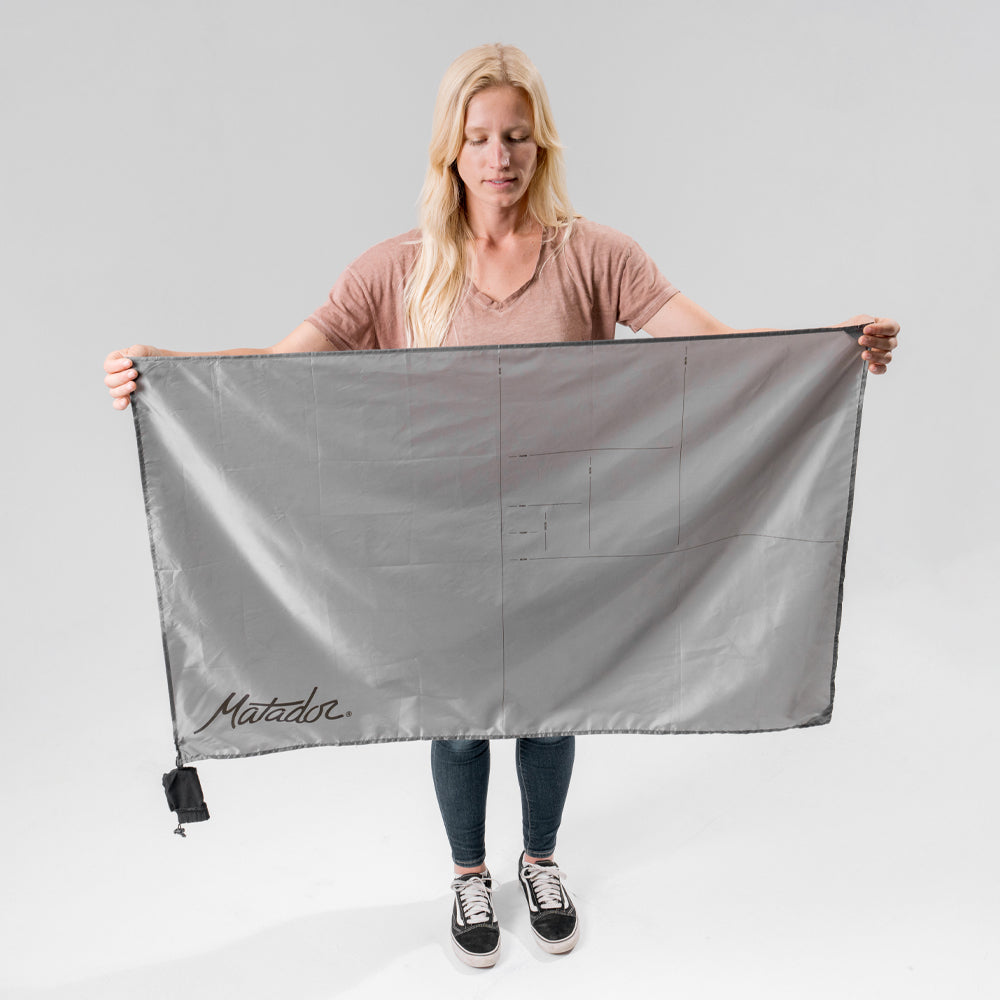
(553,915)
(475,932)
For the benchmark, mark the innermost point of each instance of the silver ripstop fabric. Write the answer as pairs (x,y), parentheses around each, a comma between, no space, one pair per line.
(628,536)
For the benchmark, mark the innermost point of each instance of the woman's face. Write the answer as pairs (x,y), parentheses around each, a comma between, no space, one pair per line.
(499,155)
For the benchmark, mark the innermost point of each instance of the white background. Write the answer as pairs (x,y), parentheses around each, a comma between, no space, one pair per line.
(195,175)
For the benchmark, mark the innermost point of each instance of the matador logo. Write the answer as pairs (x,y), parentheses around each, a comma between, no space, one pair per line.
(245,712)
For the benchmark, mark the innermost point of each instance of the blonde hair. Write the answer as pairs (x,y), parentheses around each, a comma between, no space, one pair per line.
(437,281)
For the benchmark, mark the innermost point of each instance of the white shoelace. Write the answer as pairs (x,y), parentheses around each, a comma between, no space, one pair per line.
(545,882)
(474,898)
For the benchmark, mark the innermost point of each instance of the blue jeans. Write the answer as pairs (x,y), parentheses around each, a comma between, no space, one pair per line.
(461,772)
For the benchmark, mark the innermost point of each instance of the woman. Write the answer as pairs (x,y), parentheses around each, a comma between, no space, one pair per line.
(500,257)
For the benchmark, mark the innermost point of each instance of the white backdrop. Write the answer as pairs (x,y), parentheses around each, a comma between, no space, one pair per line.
(195,175)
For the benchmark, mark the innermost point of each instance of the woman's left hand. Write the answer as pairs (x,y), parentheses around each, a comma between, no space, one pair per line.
(878,340)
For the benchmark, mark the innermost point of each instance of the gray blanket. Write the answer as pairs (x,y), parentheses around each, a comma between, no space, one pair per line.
(641,536)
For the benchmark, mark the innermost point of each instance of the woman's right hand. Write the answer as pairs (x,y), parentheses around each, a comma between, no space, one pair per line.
(121,376)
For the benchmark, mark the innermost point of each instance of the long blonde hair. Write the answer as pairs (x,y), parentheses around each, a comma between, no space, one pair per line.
(437,281)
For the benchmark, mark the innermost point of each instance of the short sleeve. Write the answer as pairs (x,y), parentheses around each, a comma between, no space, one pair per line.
(364,310)
(642,289)
(347,318)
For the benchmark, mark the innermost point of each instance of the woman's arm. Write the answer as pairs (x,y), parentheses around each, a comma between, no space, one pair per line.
(121,376)
(681,317)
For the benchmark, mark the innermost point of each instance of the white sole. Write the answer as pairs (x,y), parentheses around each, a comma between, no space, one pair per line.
(486,961)
(560,947)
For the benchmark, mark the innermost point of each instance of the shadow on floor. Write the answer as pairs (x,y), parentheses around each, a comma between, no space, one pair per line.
(320,955)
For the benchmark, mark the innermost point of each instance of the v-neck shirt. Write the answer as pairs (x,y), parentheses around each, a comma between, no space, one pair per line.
(579,290)
(489,302)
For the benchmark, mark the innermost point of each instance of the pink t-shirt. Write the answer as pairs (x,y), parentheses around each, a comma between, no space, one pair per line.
(599,278)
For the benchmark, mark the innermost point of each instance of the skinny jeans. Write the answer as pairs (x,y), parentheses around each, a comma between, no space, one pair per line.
(461,772)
